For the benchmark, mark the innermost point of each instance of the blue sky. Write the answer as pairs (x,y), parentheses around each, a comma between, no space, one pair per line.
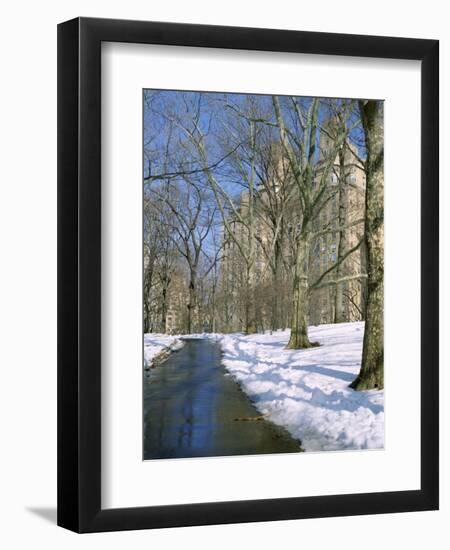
(213,108)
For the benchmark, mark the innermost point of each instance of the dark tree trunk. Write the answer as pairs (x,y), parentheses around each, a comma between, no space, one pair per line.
(146,316)
(164,305)
(148,278)
(192,304)
(372,364)
(276,281)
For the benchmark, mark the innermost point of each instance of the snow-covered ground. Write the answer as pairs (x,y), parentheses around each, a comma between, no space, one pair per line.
(307,390)
(157,344)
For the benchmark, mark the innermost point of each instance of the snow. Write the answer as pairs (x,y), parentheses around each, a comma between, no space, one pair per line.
(307,390)
(157,344)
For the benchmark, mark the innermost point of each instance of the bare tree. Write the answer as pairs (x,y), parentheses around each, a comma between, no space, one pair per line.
(238,220)
(151,251)
(274,205)
(174,183)
(311,174)
(243,185)
(256,227)
(372,366)
(191,221)
(160,263)
(347,219)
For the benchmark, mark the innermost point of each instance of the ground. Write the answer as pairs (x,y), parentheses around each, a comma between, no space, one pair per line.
(305,391)
(157,345)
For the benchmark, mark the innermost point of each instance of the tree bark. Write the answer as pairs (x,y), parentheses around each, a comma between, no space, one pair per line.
(164,291)
(192,304)
(372,364)
(299,322)
(342,238)
(146,316)
(250,313)
(276,280)
(148,280)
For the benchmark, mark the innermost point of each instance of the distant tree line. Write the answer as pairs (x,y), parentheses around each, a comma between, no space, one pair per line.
(243,195)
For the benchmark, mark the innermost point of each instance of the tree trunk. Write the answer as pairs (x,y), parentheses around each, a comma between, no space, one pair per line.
(165,287)
(275,290)
(274,317)
(192,304)
(148,277)
(146,315)
(299,322)
(250,312)
(372,364)
(339,316)
(250,309)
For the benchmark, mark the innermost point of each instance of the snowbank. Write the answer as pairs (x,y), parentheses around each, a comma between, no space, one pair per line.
(307,390)
(157,346)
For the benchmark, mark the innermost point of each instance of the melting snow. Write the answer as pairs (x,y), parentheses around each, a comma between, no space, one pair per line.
(155,344)
(307,390)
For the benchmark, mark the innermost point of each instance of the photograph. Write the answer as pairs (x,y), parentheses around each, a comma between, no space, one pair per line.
(263,274)
(206,275)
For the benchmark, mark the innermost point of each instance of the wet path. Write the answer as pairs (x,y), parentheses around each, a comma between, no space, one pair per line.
(191,407)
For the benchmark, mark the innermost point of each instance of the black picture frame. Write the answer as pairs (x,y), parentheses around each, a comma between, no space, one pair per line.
(79,274)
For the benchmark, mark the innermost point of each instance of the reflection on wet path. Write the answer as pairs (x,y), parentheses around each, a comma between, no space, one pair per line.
(191,407)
